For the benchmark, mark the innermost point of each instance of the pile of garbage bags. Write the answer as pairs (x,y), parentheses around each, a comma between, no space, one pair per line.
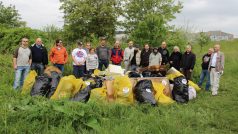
(143,87)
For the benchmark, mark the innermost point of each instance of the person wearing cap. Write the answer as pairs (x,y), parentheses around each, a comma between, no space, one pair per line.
(188,62)
(135,58)
(103,53)
(164,53)
(39,56)
(205,73)
(79,56)
(216,68)
(127,55)
(155,57)
(117,54)
(59,55)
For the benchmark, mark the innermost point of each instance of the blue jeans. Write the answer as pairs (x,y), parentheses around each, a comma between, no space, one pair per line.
(78,71)
(38,67)
(20,75)
(60,66)
(204,74)
(103,62)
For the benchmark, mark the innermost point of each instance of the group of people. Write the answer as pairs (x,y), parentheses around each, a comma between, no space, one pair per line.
(86,59)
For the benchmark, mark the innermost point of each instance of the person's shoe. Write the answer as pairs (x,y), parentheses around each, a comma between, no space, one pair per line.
(214,94)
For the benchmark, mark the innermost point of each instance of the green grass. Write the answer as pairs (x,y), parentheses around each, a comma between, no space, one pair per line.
(206,114)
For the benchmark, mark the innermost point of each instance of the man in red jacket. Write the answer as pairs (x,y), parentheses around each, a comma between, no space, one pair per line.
(117,54)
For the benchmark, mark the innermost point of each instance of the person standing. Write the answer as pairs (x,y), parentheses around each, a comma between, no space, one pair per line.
(127,55)
(103,53)
(39,56)
(59,55)
(155,57)
(188,62)
(135,59)
(145,55)
(216,68)
(22,59)
(205,72)
(117,54)
(175,58)
(79,57)
(164,53)
(91,61)
(87,47)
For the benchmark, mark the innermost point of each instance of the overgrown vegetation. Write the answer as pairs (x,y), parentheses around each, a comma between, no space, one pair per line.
(206,114)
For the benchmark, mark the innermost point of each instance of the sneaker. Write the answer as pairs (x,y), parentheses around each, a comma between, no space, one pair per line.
(214,94)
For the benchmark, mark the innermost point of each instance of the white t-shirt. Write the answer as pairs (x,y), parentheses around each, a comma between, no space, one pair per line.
(214,60)
(79,55)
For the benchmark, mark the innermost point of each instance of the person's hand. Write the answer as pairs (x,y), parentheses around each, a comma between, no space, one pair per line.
(221,72)
(190,70)
(15,67)
(181,69)
(171,62)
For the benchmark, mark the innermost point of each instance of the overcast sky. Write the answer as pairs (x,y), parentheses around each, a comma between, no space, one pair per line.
(198,15)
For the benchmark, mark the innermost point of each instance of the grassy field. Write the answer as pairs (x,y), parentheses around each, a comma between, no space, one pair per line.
(206,114)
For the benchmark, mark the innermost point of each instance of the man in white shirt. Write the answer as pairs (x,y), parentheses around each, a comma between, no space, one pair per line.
(127,55)
(216,68)
(79,56)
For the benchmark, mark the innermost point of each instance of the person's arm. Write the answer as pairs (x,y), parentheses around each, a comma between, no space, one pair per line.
(150,58)
(97,62)
(160,59)
(193,62)
(87,63)
(51,56)
(65,56)
(222,61)
(15,55)
(30,58)
(170,59)
(109,54)
(45,62)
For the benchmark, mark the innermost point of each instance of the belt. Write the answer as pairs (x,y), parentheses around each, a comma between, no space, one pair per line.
(213,67)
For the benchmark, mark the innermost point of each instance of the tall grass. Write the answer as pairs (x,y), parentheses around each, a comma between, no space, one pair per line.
(205,114)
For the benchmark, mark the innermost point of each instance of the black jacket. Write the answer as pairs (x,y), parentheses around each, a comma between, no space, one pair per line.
(39,55)
(176,58)
(188,61)
(145,58)
(165,55)
(205,61)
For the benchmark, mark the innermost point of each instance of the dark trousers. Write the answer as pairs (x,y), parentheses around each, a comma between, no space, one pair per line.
(78,71)
(103,62)
(60,66)
(38,67)
(90,71)
(187,74)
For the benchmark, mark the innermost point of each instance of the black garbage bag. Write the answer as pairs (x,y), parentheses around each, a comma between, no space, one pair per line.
(55,78)
(144,92)
(151,74)
(98,82)
(134,75)
(146,73)
(83,95)
(41,86)
(180,90)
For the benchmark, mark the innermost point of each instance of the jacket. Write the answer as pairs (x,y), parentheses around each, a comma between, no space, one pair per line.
(128,53)
(176,58)
(188,61)
(58,55)
(116,55)
(165,55)
(145,58)
(42,51)
(135,57)
(155,59)
(205,61)
(220,61)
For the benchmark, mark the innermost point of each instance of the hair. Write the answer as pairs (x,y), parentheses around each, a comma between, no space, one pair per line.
(57,41)
(79,42)
(24,38)
(189,46)
(176,47)
(91,49)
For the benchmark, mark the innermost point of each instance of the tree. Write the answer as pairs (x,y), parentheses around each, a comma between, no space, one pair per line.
(203,40)
(9,16)
(85,17)
(151,30)
(136,11)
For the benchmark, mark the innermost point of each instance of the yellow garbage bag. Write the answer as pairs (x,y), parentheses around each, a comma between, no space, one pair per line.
(96,72)
(195,86)
(123,90)
(99,94)
(173,73)
(160,97)
(68,87)
(29,82)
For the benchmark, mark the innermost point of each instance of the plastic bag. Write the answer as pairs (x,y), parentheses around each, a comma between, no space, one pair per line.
(160,97)
(134,75)
(123,90)
(68,87)
(195,86)
(180,89)
(98,94)
(29,82)
(144,92)
(83,95)
(55,78)
(41,86)
(173,73)
(191,93)
(151,74)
